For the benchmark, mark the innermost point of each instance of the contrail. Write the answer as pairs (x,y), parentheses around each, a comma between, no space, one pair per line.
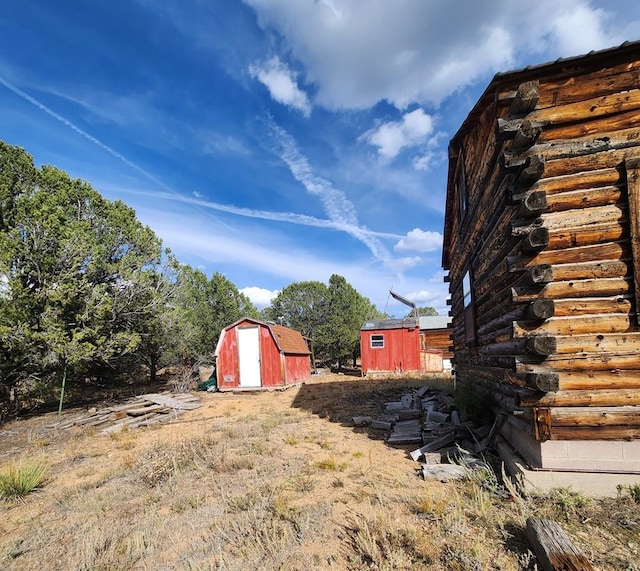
(337,206)
(290,217)
(77,129)
(97,142)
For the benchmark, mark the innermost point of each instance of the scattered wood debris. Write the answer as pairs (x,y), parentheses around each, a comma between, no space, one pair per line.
(448,445)
(143,410)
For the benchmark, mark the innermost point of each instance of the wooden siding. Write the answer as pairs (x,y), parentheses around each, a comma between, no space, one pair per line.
(438,339)
(549,230)
(400,354)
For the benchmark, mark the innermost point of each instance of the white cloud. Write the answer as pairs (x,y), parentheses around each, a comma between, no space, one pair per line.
(360,52)
(259,296)
(400,265)
(422,163)
(418,240)
(579,30)
(282,85)
(428,298)
(392,137)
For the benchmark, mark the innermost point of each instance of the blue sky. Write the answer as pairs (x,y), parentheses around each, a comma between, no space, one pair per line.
(277,141)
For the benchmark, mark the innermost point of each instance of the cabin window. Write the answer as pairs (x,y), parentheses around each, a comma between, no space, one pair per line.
(633,191)
(377,341)
(469,313)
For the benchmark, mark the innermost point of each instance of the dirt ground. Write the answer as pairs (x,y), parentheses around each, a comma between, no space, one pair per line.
(272,480)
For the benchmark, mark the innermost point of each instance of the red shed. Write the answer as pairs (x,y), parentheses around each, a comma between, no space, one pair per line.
(403,345)
(253,355)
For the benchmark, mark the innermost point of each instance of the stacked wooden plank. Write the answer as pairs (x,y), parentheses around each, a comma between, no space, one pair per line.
(431,420)
(143,410)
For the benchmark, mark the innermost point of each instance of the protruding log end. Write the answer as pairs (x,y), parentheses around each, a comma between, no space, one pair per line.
(532,171)
(542,345)
(545,382)
(526,98)
(540,309)
(533,204)
(526,136)
(540,274)
(536,240)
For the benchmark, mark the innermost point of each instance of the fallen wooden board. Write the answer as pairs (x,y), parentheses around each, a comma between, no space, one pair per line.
(443,472)
(553,548)
(138,411)
(177,403)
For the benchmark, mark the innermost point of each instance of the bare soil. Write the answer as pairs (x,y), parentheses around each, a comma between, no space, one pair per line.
(277,480)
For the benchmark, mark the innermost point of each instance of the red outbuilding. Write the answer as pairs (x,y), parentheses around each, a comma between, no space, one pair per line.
(409,345)
(254,355)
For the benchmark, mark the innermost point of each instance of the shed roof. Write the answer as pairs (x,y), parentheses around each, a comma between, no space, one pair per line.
(289,340)
(406,323)
(434,321)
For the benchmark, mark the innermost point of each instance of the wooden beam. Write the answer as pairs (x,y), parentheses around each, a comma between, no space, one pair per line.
(583,111)
(599,343)
(541,424)
(633,192)
(542,345)
(535,241)
(589,153)
(593,306)
(558,221)
(540,274)
(628,416)
(587,235)
(526,98)
(595,252)
(611,397)
(540,309)
(575,180)
(592,362)
(591,270)
(582,198)
(525,137)
(593,433)
(570,289)
(553,548)
(598,380)
(531,172)
(532,204)
(580,325)
(544,382)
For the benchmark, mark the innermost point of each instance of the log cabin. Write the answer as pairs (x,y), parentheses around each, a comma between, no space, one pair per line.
(542,249)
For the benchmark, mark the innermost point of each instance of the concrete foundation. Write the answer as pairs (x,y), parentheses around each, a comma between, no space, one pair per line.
(581,474)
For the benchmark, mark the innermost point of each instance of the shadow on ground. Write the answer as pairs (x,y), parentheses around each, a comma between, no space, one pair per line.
(339,400)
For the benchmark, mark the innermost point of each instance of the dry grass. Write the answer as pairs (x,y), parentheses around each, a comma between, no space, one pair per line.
(281,481)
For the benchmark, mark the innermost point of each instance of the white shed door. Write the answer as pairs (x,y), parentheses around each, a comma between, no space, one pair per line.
(249,356)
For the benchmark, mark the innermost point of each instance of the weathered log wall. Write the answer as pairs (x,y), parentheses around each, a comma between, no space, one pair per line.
(543,210)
